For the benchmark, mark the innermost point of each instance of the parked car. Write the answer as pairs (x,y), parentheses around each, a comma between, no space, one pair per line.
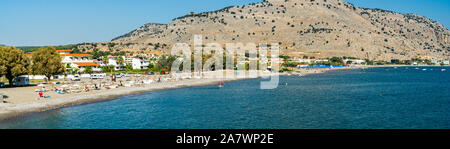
(98,76)
(137,75)
(76,78)
(21,81)
(120,75)
(149,73)
(2,84)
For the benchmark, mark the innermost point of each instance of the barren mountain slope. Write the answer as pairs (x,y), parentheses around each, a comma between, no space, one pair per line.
(321,28)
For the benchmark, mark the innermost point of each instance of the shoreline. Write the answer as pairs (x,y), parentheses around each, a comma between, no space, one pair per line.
(13,110)
(9,111)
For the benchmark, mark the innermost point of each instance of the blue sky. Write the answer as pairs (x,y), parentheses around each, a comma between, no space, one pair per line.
(58,22)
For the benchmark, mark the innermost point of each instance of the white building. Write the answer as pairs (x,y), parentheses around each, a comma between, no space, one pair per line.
(79,61)
(434,61)
(309,61)
(354,61)
(140,64)
(99,62)
(117,66)
(446,62)
(320,60)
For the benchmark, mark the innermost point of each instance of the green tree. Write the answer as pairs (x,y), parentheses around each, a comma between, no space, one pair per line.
(336,61)
(76,51)
(13,63)
(96,54)
(128,68)
(107,68)
(165,62)
(88,70)
(105,60)
(47,62)
(120,60)
(75,71)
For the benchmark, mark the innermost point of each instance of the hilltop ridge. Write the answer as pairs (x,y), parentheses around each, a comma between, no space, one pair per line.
(320,28)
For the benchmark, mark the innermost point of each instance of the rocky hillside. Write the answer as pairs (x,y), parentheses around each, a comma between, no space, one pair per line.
(320,28)
(146,30)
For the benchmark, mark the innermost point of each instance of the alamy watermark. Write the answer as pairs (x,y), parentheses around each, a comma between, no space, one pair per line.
(237,60)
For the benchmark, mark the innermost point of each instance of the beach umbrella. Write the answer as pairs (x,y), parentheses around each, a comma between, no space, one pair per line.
(64,86)
(41,85)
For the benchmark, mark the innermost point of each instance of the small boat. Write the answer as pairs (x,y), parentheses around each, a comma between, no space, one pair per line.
(417,68)
(424,69)
(442,69)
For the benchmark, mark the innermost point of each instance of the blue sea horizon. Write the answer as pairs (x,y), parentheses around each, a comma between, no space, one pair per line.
(374,98)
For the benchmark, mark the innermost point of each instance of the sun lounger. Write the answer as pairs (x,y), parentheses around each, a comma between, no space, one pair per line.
(148,81)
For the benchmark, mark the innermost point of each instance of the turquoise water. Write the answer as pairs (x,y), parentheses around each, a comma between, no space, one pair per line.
(372,98)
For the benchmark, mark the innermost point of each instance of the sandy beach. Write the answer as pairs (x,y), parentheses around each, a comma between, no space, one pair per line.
(23,100)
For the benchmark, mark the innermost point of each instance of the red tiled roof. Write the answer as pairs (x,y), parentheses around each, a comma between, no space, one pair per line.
(75,55)
(29,55)
(86,64)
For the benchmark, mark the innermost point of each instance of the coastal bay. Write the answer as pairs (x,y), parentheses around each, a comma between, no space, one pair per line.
(23,100)
(385,97)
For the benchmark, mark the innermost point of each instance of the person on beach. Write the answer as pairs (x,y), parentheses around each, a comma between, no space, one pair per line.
(41,95)
(113,77)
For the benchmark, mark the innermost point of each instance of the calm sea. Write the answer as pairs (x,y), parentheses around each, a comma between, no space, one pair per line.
(373,98)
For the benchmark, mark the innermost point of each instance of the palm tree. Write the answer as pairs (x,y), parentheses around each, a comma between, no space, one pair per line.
(105,60)
(88,70)
(120,60)
(75,71)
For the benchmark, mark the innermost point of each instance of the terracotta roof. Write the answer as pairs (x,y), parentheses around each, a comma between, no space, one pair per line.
(86,64)
(64,50)
(29,55)
(75,55)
